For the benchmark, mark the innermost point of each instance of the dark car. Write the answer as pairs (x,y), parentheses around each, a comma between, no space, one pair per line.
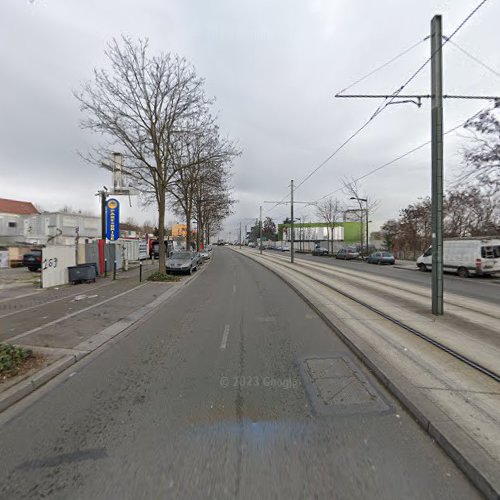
(347,254)
(33,260)
(381,258)
(183,262)
(318,251)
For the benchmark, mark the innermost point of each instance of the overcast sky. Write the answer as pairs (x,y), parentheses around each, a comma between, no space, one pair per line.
(273,66)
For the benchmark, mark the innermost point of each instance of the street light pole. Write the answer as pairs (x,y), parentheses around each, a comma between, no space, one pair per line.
(366,227)
(260,230)
(292,251)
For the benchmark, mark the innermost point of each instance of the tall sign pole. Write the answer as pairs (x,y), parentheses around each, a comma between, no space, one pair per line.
(437,164)
(103,214)
(292,236)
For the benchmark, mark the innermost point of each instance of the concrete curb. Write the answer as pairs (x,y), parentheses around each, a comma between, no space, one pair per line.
(27,386)
(481,470)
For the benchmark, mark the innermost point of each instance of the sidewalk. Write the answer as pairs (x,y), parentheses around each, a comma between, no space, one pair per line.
(64,324)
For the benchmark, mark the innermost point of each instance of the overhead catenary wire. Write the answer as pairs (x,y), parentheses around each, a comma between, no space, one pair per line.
(474,58)
(404,155)
(382,66)
(390,100)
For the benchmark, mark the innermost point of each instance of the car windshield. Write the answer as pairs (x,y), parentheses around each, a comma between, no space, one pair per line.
(386,254)
(181,255)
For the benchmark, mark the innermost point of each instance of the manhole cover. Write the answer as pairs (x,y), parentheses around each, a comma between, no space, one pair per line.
(337,386)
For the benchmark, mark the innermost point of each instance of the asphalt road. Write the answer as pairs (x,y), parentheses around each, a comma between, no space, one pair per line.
(205,399)
(483,288)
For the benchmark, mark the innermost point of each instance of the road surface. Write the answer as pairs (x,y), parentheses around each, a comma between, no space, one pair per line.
(483,288)
(205,399)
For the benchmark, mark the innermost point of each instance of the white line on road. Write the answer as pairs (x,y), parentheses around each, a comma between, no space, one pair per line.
(234,289)
(224,337)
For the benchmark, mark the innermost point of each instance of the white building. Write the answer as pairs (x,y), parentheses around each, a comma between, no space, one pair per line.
(22,224)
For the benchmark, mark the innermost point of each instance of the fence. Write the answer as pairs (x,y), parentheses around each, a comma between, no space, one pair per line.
(55,263)
(57,259)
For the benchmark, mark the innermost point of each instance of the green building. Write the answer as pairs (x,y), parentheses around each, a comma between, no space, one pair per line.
(345,233)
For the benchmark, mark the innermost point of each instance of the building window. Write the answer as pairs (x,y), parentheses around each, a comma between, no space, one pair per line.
(12,224)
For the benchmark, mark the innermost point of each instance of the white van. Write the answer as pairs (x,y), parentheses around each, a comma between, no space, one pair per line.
(466,256)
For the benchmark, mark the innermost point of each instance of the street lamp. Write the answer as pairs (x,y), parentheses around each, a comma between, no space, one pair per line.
(366,201)
(300,232)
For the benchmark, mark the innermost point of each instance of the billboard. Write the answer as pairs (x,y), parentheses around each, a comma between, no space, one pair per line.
(112,219)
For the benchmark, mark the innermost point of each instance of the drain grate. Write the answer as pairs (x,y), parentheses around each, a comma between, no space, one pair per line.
(336,386)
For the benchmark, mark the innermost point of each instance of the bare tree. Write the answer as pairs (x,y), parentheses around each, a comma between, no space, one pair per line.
(200,189)
(482,157)
(330,210)
(140,105)
(354,189)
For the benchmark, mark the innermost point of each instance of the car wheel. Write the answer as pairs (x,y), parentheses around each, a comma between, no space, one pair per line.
(463,272)
(190,270)
(32,269)
(422,268)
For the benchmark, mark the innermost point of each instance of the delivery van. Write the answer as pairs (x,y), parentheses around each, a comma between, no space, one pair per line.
(466,256)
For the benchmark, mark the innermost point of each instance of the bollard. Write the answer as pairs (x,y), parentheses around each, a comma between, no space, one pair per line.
(105,268)
(140,272)
(114,270)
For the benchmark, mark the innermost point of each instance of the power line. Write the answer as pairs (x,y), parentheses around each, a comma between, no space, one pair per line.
(386,103)
(404,155)
(394,95)
(395,58)
(421,67)
(474,58)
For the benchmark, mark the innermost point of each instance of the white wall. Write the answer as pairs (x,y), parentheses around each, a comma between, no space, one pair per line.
(55,262)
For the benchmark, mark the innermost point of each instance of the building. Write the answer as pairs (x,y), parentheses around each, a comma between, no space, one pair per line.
(310,233)
(12,216)
(21,224)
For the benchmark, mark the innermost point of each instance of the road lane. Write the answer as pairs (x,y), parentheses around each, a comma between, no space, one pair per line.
(167,413)
(483,288)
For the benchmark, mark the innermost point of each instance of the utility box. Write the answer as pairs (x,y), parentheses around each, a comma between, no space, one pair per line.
(82,273)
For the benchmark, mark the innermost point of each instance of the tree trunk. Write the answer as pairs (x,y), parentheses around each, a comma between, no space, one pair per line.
(188,231)
(161,232)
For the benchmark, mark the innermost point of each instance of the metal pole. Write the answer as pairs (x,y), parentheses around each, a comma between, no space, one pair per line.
(292,251)
(437,164)
(114,269)
(240,234)
(103,215)
(140,271)
(105,268)
(367,247)
(260,230)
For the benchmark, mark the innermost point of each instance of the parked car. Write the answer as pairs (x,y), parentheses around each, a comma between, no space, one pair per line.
(285,248)
(251,245)
(347,254)
(33,259)
(319,251)
(205,254)
(381,258)
(183,262)
(466,256)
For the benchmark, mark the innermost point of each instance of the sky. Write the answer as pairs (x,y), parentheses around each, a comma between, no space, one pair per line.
(273,67)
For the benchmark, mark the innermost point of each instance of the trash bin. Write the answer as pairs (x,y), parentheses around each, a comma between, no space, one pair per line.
(81,273)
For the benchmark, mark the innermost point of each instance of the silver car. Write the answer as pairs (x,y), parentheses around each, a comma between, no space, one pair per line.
(182,262)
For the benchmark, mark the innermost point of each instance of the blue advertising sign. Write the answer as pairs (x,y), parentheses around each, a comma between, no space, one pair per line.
(112,219)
